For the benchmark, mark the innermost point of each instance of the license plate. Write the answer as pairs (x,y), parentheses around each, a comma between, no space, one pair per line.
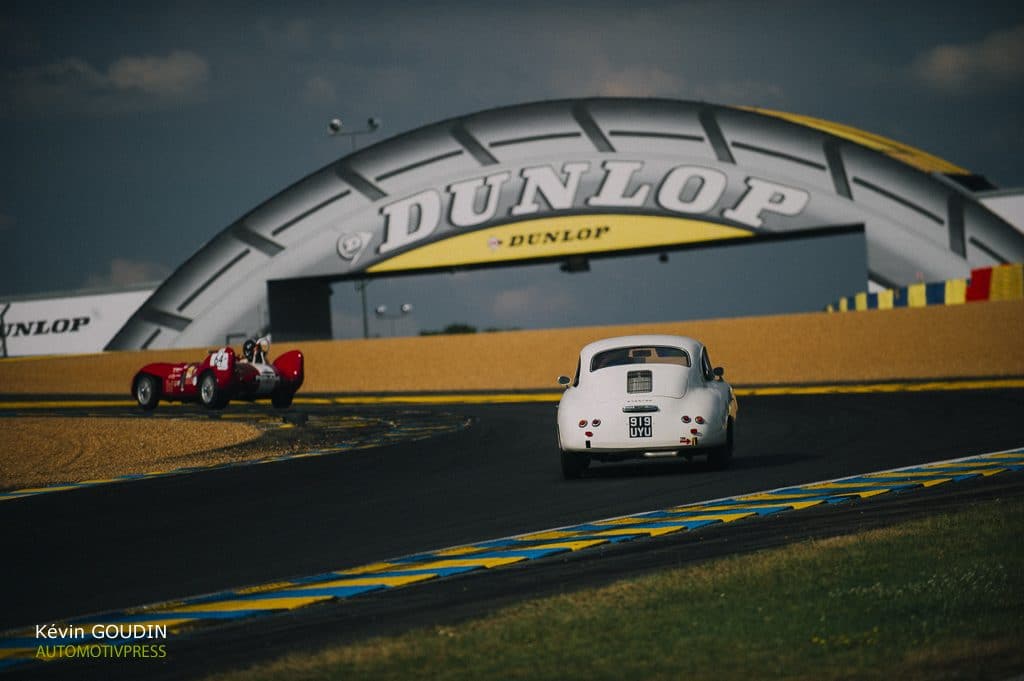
(640,426)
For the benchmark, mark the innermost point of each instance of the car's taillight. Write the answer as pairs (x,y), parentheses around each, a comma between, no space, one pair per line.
(686,419)
(595,422)
(583,423)
(700,420)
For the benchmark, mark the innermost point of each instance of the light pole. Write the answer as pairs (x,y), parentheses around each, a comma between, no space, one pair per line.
(361,287)
(382,313)
(335,128)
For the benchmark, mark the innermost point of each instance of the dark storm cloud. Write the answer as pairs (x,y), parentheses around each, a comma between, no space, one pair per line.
(74,87)
(133,134)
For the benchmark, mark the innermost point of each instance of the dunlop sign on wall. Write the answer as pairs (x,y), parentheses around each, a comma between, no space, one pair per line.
(69,325)
(563,178)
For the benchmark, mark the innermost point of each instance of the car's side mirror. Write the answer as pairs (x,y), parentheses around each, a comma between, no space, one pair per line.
(564,380)
(719,372)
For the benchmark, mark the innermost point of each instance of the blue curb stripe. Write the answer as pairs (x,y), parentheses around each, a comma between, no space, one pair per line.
(237,603)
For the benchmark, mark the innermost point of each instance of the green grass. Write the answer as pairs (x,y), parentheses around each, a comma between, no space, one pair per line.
(940,598)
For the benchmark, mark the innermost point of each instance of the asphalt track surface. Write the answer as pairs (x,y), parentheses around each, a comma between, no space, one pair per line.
(107,547)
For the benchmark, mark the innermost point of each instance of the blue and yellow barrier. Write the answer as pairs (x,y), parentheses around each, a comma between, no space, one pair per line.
(1002,282)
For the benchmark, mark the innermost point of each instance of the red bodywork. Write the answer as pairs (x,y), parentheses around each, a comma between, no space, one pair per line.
(226,376)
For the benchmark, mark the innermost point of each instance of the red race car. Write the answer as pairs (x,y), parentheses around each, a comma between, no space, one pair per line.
(221,377)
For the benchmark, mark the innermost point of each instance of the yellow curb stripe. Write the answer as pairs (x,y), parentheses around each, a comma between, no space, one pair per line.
(723,517)
(36,490)
(364,581)
(468,398)
(69,404)
(571,545)
(550,396)
(553,534)
(284,603)
(461,551)
(652,531)
(795,505)
(6,653)
(170,621)
(373,567)
(986,384)
(857,485)
(470,563)
(781,499)
(971,471)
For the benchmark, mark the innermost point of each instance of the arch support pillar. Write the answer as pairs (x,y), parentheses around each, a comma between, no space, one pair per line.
(300,309)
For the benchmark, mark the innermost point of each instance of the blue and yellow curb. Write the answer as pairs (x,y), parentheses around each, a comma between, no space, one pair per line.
(20,647)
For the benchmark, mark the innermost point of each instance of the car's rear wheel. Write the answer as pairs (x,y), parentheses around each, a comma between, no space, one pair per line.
(573,464)
(146,391)
(210,394)
(720,457)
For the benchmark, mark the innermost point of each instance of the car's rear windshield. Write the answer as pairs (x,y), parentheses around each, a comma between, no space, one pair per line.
(640,354)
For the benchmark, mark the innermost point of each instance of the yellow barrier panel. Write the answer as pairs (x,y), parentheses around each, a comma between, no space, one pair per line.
(860,301)
(1007,282)
(917,295)
(885,299)
(956,291)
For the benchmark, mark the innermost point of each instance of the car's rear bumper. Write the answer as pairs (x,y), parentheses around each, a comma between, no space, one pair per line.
(681,442)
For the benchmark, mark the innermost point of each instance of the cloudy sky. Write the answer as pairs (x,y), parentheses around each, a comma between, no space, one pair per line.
(131,133)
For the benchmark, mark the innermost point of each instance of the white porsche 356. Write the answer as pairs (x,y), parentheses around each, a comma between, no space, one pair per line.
(643,397)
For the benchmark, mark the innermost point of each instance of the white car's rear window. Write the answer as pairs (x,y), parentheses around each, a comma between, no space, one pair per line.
(640,354)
